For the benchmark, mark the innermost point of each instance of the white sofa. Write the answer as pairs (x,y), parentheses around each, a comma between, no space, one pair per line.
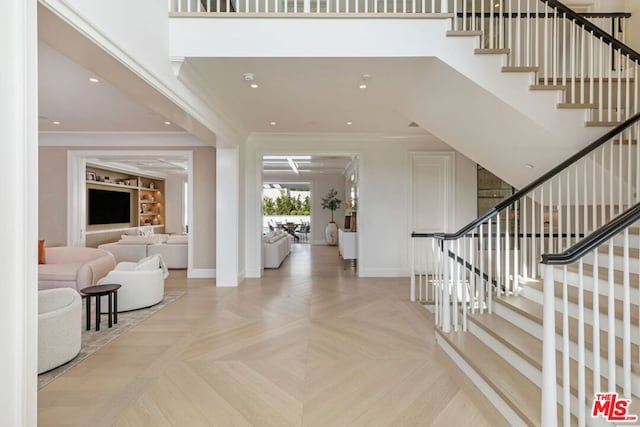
(174,251)
(142,283)
(276,245)
(73,267)
(172,248)
(132,248)
(59,327)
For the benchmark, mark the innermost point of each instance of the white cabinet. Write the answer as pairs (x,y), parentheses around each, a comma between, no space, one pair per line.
(348,244)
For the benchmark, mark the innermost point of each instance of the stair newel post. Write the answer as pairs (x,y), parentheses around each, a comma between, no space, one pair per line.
(446,309)
(413,270)
(549,403)
(455,285)
(481,262)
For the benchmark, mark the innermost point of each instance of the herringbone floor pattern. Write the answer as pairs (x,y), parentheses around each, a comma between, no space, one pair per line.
(309,344)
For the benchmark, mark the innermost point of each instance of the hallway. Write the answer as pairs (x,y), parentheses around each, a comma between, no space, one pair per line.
(308,344)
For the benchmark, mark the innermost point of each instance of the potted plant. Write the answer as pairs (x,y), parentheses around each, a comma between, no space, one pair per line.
(332,203)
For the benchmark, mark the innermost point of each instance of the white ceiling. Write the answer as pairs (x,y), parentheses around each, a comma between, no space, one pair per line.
(313,165)
(66,95)
(312,94)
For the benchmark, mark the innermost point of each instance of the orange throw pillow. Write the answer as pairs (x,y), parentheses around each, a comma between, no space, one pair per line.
(41,253)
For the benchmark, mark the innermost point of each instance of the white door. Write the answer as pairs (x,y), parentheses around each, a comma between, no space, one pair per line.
(432,196)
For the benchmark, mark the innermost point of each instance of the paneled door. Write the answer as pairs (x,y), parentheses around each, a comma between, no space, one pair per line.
(432,200)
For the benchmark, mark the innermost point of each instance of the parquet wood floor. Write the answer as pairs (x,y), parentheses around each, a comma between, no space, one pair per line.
(310,344)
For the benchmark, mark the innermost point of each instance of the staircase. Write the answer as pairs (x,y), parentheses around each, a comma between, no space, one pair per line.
(504,348)
(497,308)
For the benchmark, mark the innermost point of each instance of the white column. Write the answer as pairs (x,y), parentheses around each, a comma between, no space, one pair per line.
(227,214)
(19,215)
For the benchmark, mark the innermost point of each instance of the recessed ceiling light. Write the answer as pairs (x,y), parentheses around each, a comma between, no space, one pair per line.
(363,86)
(55,122)
(529,165)
(94,80)
(167,123)
(366,77)
(349,123)
(254,85)
(273,123)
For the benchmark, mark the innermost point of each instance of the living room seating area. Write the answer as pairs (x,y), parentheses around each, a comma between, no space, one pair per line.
(276,246)
(73,267)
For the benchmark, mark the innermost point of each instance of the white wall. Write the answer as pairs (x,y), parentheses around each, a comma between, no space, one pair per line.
(383,207)
(633,24)
(174,206)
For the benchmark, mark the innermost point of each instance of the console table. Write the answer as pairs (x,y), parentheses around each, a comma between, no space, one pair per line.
(348,245)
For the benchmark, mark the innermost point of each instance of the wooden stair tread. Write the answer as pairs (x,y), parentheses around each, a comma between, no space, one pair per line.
(530,348)
(572,296)
(588,79)
(452,33)
(603,273)
(602,124)
(547,87)
(619,250)
(568,106)
(519,69)
(533,311)
(480,51)
(515,389)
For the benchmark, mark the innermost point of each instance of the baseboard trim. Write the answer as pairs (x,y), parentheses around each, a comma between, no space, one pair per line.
(502,407)
(201,273)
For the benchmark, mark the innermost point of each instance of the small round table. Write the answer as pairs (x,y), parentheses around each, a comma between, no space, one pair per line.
(110,290)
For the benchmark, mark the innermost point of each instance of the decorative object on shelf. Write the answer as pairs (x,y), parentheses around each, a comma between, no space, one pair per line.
(152,185)
(91,176)
(332,203)
(107,179)
(155,221)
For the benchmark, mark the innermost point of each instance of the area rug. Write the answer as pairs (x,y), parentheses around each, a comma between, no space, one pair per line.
(93,340)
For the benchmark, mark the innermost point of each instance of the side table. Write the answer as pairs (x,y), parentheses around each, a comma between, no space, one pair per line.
(110,290)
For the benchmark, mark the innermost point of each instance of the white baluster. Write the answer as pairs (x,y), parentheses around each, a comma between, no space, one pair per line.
(489,268)
(498,274)
(611,315)
(534,266)
(525,239)
(413,270)
(581,347)
(566,366)
(626,319)
(482,281)
(455,285)
(507,253)
(549,416)
(446,314)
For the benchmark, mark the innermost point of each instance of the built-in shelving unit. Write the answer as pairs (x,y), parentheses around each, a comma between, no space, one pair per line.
(147,197)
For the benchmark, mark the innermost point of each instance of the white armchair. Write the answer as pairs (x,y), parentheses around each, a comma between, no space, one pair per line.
(59,327)
(142,283)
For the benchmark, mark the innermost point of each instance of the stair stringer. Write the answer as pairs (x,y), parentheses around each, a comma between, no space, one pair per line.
(513,88)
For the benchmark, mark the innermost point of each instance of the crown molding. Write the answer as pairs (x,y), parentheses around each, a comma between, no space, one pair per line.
(119,139)
(340,137)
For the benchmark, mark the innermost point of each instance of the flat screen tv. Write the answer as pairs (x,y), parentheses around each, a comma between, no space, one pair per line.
(109,207)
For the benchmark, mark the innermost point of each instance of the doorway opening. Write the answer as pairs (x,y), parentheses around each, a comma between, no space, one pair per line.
(294,194)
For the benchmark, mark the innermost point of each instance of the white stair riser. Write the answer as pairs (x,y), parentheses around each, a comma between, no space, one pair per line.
(536,296)
(618,262)
(603,285)
(482,385)
(523,366)
(535,329)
